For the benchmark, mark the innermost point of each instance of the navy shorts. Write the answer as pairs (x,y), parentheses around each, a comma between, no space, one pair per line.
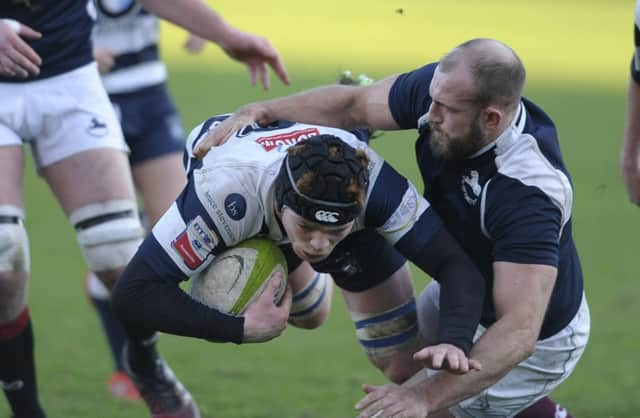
(359,262)
(150,123)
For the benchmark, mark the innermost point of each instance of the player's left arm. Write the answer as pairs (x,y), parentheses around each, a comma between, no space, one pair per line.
(197,17)
(407,220)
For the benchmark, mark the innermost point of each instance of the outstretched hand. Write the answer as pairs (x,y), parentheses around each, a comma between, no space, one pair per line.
(17,58)
(224,131)
(264,319)
(257,53)
(446,357)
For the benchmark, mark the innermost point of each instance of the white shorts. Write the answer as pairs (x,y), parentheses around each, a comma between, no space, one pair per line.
(59,116)
(553,361)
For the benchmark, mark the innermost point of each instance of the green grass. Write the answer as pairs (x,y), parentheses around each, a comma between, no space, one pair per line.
(577,58)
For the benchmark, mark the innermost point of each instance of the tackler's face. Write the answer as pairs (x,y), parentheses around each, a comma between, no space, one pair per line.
(312,241)
(454,116)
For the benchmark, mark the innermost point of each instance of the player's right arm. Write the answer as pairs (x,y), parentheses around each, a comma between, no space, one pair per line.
(185,240)
(17,58)
(345,107)
(630,157)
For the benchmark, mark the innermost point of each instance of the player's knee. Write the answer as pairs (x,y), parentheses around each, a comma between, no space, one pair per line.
(389,339)
(311,305)
(14,244)
(109,233)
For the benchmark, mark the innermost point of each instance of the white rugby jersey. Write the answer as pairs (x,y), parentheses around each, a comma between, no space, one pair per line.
(230,198)
(132,33)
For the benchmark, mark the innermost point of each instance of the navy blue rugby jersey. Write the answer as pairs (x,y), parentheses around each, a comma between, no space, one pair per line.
(229,198)
(66,30)
(132,33)
(510,202)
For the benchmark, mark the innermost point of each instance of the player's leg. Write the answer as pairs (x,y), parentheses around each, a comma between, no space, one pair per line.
(524,390)
(91,178)
(17,364)
(154,135)
(312,293)
(377,287)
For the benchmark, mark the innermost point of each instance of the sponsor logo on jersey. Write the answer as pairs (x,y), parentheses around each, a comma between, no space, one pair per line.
(326,216)
(287,139)
(471,188)
(195,243)
(97,127)
(11,386)
(236,206)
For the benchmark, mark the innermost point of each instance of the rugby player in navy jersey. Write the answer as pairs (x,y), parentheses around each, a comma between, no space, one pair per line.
(492,169)
(331,202)
(630,159)
(52,97)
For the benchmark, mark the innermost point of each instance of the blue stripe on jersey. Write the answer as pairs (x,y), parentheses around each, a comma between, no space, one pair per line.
(402,310)
(147,54)
(66,30)
(391,341)
(386,195)
(190,207)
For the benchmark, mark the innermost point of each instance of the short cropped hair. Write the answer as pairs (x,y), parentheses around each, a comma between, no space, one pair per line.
(498,72)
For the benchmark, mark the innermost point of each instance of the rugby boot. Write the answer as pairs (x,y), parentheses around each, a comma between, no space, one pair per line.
(163,393)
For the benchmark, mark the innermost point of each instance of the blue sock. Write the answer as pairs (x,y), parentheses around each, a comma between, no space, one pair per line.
(114,332)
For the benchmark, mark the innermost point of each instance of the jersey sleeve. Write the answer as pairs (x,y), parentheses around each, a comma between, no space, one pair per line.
(408,221)
(395,208)
(409,96)
(215,211)
(527,234)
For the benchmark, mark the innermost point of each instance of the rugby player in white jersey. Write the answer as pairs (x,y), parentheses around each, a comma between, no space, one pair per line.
(54,100)
(492,168)
(329,201)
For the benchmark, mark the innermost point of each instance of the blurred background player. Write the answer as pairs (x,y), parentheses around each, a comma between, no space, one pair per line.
(630,159)
(54,99)
(125,39)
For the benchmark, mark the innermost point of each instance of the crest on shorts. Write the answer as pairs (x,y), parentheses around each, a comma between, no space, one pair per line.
(97,127)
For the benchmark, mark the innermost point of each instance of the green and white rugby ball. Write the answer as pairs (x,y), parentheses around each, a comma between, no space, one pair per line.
(238,276)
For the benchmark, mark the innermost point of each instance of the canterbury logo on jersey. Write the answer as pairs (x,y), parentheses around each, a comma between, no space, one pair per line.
(12,386)
(286,139)
(326,216)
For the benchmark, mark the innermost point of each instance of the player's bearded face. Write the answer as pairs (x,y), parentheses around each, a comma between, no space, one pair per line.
(457,145)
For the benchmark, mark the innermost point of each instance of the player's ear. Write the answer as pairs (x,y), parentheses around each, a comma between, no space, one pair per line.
(492,117)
